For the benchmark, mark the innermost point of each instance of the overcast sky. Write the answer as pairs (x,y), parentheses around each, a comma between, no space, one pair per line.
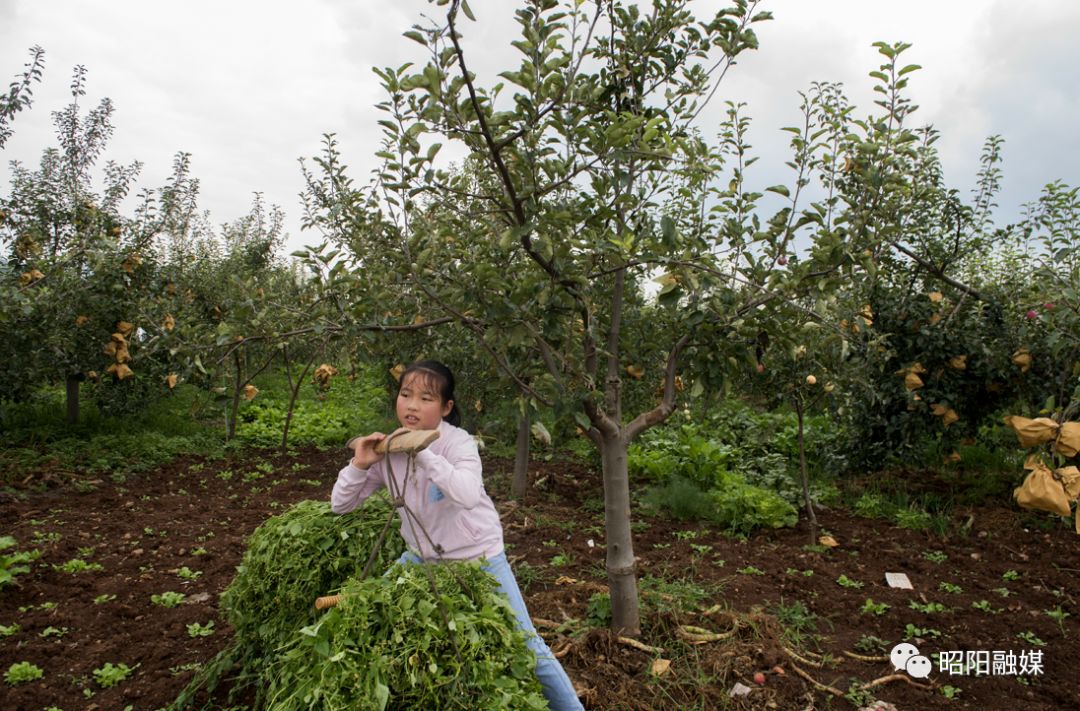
(249,87)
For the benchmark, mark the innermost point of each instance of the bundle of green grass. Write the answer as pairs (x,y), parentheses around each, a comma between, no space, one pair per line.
(295,557)
(291,559)
(392,643)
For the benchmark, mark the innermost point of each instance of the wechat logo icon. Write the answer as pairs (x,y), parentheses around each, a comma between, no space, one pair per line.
(906,657)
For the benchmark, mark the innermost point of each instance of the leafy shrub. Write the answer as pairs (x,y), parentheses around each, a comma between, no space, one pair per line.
(758,448)
(734,505)
(683,499)
(388,645)
(323,418)
(871,505)
(741,508)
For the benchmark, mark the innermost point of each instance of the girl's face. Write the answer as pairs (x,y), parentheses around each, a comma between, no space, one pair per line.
(419,404)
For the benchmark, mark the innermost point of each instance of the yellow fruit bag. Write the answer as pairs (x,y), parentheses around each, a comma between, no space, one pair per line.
(1068,441)
(1041,491)
(1070,479)
(1032,432)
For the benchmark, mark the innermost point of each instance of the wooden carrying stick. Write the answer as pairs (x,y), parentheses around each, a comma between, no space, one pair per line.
(411,442)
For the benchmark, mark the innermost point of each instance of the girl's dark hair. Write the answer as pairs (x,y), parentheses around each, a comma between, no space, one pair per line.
(440,376)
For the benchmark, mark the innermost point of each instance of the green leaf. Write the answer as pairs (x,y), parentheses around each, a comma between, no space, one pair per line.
(416,37)
(667,227)
(779,190)
(582,420)
(467,10)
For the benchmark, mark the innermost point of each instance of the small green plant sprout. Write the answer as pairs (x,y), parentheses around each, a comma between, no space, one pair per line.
(913,632)
(50,537)
(196,629)
(199,551)
(53,632)
(869,643)
(949,588)
(858,696)
(935,556)
(874,608)
(190,666)
(985,606)
(750,570)
(560,560)
(22,672)
(846,582)
(12,564)
(1003,591)
(9,630)
(225,474)
(685,535)
(700,548)
(951,692)
(86,551)
(1010,575)
(168,599)
(102,599)
(76,566)
(913,519)
(1029,637)
(661,546)
(927,608)
(797,619)
(1058,615)
(598,612)
(549,543)
(186,573)
(111,674)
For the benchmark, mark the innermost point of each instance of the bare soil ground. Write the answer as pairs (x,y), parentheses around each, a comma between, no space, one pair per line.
(790,619)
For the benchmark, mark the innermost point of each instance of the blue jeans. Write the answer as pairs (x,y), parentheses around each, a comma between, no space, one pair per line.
(556,685)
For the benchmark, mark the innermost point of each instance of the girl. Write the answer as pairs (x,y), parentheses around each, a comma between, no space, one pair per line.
(446,494)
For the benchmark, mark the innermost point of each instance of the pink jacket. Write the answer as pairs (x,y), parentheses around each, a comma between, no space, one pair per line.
(445,492)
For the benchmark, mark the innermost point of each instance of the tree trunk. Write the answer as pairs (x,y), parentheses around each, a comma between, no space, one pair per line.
(810,516)
(622,575)
(73,399)
(230,423)
(520,483)
(294,392)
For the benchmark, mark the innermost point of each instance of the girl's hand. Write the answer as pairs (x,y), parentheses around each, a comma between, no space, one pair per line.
(364,454)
